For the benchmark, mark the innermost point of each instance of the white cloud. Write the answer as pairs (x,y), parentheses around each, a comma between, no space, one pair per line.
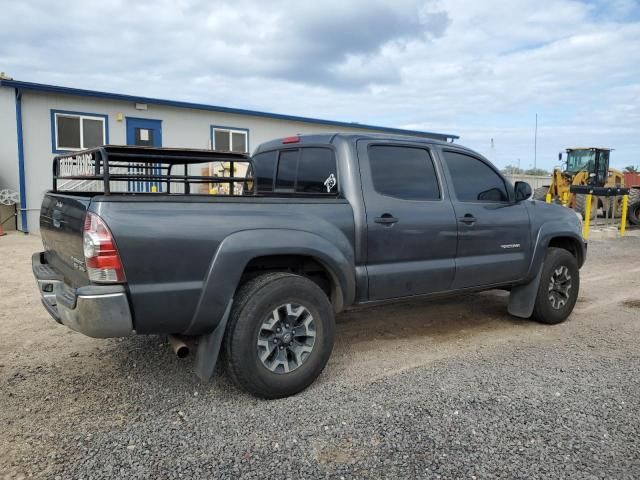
(480,69)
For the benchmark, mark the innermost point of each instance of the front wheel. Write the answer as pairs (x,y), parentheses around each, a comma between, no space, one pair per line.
(280,335)
(559,286)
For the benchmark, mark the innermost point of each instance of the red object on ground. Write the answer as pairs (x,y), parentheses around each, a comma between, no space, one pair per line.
(631,179)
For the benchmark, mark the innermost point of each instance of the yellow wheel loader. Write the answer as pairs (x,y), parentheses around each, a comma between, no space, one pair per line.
(584,166)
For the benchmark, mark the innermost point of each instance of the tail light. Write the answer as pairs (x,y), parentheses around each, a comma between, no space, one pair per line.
(294,139)
(100,252)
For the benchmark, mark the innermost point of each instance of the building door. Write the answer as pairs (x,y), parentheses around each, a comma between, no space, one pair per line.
(411,226)
(144,132)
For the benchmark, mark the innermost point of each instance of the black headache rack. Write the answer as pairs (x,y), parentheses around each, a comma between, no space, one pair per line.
(131,169)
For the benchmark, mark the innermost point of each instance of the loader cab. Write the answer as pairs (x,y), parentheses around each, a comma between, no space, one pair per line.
(594,161)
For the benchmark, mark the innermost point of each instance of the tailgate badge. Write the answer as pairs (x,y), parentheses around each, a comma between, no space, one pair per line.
(59,204)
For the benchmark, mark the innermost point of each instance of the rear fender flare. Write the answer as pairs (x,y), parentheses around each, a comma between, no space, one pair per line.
(238,249)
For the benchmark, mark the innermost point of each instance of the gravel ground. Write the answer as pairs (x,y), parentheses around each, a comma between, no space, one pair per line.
(447,389)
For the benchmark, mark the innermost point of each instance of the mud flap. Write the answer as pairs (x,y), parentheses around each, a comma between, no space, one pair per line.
(209,348)
(523,297)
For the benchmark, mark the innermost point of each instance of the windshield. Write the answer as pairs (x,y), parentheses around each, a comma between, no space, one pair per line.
(578,160)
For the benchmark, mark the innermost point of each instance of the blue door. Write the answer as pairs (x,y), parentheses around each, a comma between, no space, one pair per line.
(144,132)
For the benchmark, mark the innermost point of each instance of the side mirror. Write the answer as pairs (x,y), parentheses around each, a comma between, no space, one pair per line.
(523,191)
(560,156)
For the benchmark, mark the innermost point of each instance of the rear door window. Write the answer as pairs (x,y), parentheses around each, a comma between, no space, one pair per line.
(403,172)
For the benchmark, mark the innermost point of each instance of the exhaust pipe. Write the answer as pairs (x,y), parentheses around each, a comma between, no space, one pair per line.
(178,346)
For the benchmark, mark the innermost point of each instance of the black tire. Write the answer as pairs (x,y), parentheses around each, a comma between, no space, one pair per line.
(612,207)
(256,302)
(633,208)
(581,206)
(549,308)
(540,193)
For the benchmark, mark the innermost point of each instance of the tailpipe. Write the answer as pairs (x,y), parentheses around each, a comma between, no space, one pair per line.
(178,346)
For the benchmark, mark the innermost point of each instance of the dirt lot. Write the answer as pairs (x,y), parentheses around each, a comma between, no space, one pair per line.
(453,388)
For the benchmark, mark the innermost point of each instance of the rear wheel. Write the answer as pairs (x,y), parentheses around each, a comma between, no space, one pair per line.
(559,286)
(280,335)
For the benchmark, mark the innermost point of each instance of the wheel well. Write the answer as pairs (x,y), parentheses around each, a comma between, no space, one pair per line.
(300,265)
(570,244)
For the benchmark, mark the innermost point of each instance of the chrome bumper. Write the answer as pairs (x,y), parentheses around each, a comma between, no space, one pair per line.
(100,311)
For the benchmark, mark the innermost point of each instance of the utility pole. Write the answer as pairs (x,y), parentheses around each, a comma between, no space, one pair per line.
(535,145)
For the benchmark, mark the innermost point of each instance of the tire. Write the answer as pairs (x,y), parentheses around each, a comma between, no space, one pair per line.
(633,208)
(553,306)
(540,193)
(581,206)
(613,208)
(267,370)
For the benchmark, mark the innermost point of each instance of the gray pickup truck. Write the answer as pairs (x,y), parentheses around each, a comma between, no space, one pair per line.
(318,224)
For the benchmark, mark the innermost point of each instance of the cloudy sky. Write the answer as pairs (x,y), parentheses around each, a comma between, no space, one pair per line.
(481,70)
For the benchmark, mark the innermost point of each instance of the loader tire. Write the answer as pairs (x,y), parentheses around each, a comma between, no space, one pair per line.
(633,212)
(581,206)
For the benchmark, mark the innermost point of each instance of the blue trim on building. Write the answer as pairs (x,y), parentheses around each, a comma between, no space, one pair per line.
(86,114)
(22,183)
(222,127)
(199,106)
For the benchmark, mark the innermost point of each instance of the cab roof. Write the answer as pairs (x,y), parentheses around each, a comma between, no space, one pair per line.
(330,138)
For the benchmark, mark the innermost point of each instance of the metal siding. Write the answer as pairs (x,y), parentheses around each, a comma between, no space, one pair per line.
(181,128)
(8,140)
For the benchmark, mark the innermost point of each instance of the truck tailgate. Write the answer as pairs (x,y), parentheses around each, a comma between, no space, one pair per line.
(61,226)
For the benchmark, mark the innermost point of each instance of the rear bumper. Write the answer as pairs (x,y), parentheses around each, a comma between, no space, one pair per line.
(100,311)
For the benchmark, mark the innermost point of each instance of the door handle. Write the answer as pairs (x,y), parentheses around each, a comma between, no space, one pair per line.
(386,219)
(468,219)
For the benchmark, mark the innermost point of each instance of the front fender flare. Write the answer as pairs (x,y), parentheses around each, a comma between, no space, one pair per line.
(239,248)
(546,233)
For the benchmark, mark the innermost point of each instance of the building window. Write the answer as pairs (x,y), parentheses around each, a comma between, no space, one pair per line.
(224,139)
(77,131)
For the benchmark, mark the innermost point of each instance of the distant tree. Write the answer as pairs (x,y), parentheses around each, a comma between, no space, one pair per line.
(511,170)
(538,172)
(631,169)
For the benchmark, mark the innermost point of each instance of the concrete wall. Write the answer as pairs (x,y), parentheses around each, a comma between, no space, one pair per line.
(180,128)
(533,180)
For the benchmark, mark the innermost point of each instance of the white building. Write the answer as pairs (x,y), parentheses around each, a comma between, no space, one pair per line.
(39,121)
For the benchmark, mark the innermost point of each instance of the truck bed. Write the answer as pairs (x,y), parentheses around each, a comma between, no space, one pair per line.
(167,242)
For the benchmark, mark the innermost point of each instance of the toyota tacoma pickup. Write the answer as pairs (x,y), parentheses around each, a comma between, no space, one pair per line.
(136,243)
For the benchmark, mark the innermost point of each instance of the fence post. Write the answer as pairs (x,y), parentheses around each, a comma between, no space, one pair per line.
(587,219)
(623,217)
